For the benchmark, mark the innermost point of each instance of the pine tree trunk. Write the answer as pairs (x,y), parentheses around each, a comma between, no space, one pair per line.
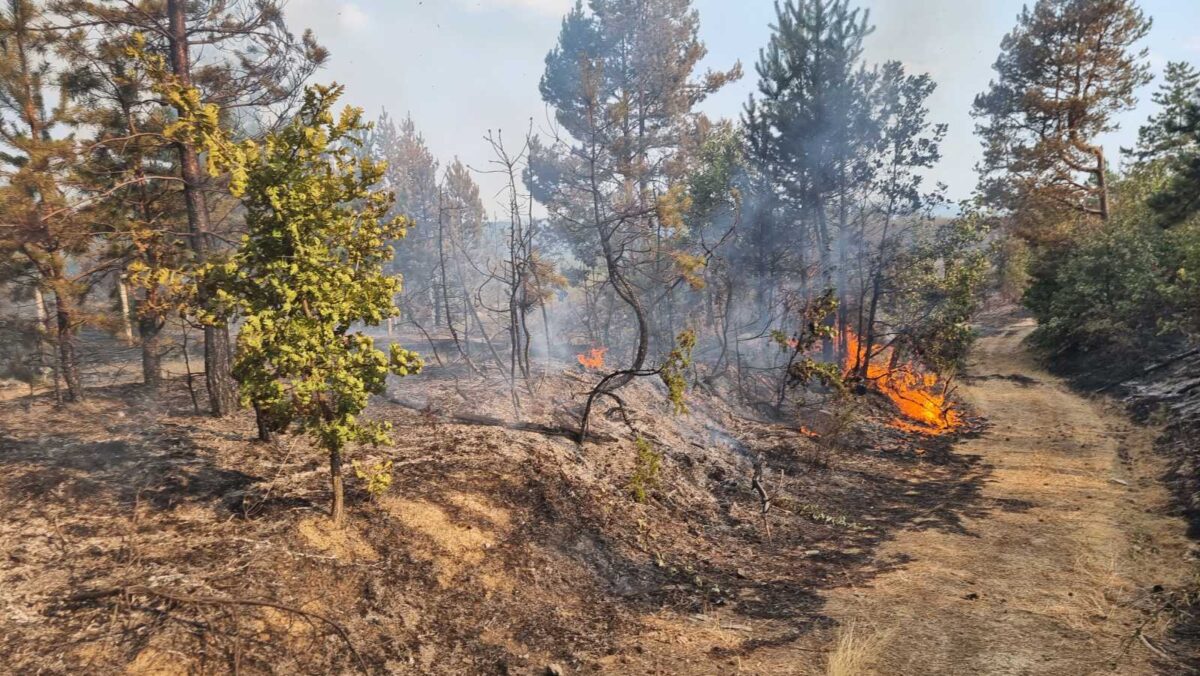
(68,362)
(337,509)
(221,390)
(222,394)
(149,329)
(1102,182)
(825,254)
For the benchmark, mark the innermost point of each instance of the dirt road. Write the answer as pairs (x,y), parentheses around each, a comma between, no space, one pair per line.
(1044,585)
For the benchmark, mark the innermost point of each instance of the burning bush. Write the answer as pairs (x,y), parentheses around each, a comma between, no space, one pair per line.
(921,397)
(594,359)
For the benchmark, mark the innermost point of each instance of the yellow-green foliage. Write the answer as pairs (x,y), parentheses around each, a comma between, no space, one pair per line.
(309,267)
(198,123)
(377,476)
(646,469)
(673,369)
(813,326)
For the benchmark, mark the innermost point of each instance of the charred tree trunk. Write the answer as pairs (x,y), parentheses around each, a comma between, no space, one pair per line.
(68,362)
(843,264)
(1102,183)
(825,256)
(265,430)
(149,329)
(217,378)
(622,288)
(870,335)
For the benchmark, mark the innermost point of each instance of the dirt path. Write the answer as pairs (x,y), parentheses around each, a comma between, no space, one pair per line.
(1042,586)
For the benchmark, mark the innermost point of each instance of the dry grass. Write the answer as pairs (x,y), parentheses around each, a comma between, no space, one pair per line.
(854,650)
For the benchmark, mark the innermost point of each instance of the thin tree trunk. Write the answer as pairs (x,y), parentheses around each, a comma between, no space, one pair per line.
(623,289)
(39,302)
(149,329)
(441,244)
(68,362)
(187,366)
(825,254)
(221,390)
(337,508)
(265,433)
(126,322)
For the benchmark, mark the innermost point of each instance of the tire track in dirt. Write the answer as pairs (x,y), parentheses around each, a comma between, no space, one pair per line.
(1043,583)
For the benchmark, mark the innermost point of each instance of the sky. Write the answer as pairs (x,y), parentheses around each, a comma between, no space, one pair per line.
(463,67)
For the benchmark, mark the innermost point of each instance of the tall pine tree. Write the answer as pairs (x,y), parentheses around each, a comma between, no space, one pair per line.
(620,81)
(1065,72)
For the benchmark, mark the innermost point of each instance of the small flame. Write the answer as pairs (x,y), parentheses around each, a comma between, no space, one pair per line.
(808,432)
(918,396)
(593,359)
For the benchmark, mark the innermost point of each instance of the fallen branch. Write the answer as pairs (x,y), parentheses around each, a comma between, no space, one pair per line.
(764,498)
(97,594)
(1146,642)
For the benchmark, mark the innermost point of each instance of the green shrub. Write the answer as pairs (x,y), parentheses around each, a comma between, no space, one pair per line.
(647,466)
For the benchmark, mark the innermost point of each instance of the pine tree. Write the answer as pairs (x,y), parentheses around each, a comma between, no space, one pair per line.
(309,268)
(1064,73)
(459,228)
(807,132)
(1179,199)
(241,57)
(43,220)
(130,170)
(412,174)
(620,81)
(1160,136)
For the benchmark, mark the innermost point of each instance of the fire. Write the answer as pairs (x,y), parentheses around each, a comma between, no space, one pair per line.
(809,432)
(593,359)
(919,397)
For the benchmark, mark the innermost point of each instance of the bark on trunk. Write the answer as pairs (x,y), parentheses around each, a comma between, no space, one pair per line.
(1102,182)
(68,363)
(825,254)
(337,509)
(265,432)
(126,322)
(149,329)
(222,394)
(221,391)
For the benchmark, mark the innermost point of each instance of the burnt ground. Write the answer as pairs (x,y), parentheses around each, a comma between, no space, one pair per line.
(140,537)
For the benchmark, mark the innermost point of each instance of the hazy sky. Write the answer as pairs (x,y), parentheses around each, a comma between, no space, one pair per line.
(461,67)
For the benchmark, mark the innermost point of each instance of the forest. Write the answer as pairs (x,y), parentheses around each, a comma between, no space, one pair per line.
(283,390)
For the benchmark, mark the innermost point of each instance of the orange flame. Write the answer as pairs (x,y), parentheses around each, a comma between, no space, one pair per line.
(593,359)
(808,432)
(918,396)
